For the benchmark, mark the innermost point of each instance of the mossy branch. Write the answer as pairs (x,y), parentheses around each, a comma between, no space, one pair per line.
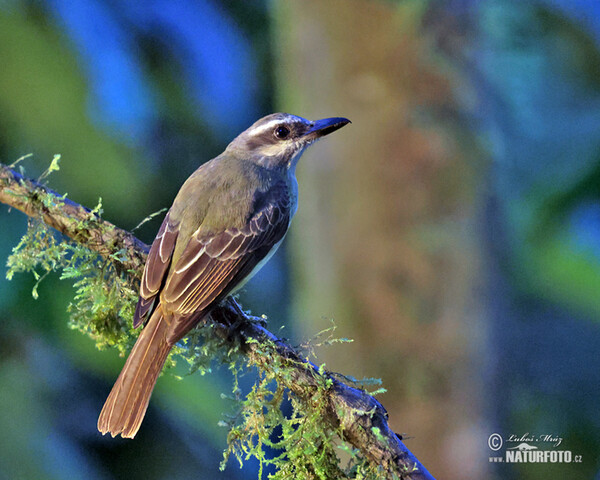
(72,220)
(357,417)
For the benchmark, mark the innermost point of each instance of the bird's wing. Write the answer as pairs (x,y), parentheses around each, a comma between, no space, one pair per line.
(157,265)
(211,266)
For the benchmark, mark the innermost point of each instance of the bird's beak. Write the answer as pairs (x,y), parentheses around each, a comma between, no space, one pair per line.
(323,127)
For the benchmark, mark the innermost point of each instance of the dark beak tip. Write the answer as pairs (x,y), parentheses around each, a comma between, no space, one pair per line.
(341,121)
(328,125)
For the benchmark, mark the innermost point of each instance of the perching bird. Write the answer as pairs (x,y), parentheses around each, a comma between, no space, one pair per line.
(227,220)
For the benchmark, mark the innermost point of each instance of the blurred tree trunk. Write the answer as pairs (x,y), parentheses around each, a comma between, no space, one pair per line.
(385,239)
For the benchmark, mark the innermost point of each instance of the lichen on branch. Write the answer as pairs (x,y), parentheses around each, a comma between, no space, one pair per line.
(328,415)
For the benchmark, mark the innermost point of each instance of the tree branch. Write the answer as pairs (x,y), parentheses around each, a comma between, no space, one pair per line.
(360,418)
(66,216)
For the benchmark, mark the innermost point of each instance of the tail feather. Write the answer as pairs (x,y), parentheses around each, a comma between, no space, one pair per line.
(126,405)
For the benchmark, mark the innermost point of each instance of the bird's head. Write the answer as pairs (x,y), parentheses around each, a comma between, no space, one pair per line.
(278,140)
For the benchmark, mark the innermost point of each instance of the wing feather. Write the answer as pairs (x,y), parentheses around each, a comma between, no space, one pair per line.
(155,270)
(210,267)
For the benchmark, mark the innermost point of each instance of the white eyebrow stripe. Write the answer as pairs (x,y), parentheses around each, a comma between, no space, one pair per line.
(267,126)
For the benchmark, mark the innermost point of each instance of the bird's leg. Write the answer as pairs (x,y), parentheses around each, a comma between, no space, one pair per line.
(239,315)
(230,315)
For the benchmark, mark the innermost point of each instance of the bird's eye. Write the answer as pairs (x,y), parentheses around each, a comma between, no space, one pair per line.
(282,132)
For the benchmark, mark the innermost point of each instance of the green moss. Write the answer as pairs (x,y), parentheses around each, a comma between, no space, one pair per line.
(302,444)
(298,444)
(303,447)
(103,299)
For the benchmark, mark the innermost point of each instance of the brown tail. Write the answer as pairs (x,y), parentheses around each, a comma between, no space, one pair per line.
(126,405)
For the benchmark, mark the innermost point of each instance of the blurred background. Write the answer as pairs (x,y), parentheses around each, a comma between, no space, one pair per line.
(453,230)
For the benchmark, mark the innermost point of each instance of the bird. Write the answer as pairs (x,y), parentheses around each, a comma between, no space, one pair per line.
(226,221)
